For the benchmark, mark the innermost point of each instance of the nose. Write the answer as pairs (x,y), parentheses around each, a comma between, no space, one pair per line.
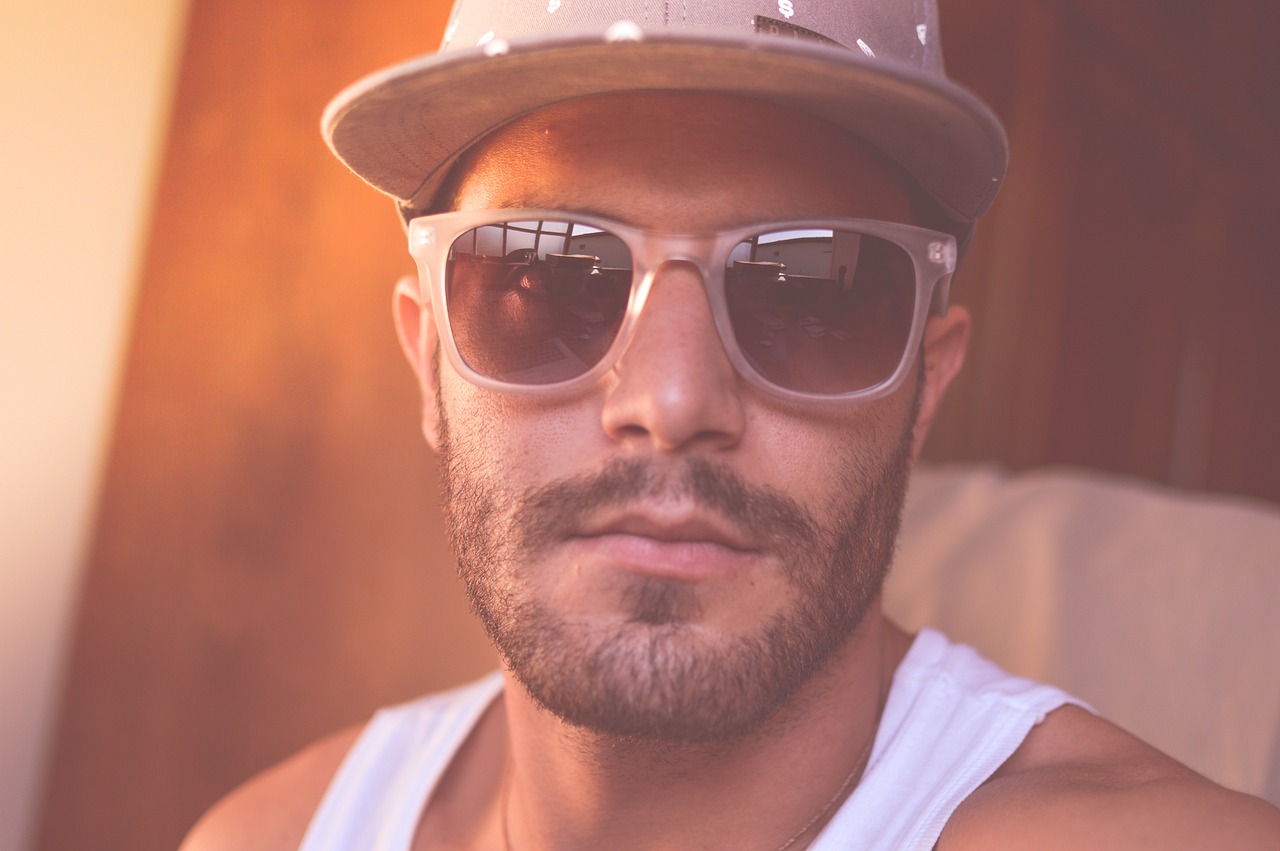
(674,387)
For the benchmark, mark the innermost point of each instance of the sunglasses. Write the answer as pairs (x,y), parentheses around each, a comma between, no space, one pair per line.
(821,310)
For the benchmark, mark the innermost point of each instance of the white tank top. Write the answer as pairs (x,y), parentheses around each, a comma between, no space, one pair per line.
(952,718)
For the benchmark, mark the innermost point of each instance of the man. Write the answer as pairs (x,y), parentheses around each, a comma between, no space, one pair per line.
(680,327)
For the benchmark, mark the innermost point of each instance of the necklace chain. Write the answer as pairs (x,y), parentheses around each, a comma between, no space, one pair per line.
(859,767)
(855,775)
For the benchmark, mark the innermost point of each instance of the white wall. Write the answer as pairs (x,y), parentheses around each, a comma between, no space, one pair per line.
(84,95)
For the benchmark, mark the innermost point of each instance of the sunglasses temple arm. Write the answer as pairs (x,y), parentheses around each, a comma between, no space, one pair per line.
(941,296)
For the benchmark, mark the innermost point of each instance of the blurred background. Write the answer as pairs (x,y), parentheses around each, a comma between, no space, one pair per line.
(220,536)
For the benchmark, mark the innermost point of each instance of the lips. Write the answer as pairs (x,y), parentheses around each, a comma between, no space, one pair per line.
(678,544)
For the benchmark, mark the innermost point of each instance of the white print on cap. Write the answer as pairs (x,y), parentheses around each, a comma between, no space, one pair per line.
(865,49)
(922,33)
(786,8)
(552,5)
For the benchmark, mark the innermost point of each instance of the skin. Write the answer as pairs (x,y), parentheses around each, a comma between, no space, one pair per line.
(676,163)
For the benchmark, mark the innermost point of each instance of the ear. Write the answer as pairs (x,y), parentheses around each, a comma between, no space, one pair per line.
(945,340)
(416,329)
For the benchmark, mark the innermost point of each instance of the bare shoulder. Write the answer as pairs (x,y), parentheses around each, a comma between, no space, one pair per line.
(1079,781)
(271,811)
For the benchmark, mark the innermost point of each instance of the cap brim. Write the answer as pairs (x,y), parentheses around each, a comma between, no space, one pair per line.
(401,129)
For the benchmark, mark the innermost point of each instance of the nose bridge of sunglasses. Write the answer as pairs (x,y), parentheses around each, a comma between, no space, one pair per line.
(677,301)
(678,278)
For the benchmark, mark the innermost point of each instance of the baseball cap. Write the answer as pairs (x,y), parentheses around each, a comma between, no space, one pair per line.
(873,67)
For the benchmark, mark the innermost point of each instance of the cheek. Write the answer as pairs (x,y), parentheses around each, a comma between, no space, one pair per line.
(816,456)
(516,442)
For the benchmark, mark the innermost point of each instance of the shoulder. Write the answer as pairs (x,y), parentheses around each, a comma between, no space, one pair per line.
(272,810)
(1079,781)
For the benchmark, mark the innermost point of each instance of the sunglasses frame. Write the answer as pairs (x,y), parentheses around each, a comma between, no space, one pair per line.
(933,255)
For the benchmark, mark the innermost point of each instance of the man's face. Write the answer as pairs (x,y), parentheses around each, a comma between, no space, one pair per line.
(670,554)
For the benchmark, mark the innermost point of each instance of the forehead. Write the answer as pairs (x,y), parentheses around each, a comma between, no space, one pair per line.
(681,162)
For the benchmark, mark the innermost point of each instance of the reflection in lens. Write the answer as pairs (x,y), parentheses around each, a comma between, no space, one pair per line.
(821,311)
(536,302)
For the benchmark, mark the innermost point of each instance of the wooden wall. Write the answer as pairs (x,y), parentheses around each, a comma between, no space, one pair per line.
(1123,285)
(269,563)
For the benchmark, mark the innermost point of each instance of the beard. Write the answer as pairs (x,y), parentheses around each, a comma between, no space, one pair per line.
(653,675)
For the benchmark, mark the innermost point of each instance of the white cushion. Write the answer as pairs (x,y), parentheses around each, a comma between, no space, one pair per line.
(1158,607)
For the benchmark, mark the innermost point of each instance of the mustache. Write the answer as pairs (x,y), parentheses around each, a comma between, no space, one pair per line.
(548,514)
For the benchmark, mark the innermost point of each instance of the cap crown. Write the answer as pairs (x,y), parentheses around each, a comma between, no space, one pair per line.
(872,67)
(902,31)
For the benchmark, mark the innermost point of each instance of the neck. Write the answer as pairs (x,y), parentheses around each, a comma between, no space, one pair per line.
(570,788)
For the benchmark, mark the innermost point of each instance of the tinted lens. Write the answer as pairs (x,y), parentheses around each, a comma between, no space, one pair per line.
(821,311)
(536,302)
